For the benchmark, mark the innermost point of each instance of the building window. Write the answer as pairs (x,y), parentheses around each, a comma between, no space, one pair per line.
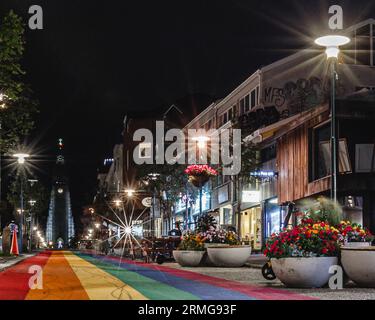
(227,216)
(250,101)
(272,217)
(360,49)
(268,153)
(253,99)
(364,158)
(144,150)
(320,153)
(245,104)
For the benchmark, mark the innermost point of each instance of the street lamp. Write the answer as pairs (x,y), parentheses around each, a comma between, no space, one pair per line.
(117,202)
(21,158)
(332,44)
(3,106)
(129,192)
(201,141)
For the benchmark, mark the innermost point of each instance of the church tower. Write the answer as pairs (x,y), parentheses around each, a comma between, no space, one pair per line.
(60,225)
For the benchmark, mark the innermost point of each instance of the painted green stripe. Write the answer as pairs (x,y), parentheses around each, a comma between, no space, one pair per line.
(150,288)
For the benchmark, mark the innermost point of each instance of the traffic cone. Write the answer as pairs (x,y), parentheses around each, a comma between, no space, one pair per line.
(14,246)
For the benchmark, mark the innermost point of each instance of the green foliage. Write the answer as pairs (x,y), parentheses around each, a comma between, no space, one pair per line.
(191,242)
(206,222)
(17,115)
(171,180)
(323,210)
(36,192)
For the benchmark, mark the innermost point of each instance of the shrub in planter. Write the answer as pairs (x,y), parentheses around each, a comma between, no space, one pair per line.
(353,235)
(224,249)
(190,251)
(302,256)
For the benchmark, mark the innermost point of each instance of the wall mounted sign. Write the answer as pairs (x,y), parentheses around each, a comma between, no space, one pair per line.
(147,202)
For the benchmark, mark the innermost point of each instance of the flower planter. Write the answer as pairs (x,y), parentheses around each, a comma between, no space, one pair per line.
(188,258)
(229,256)
(303,272)
(206,262)
(199,181)
(359,265)
(357,245)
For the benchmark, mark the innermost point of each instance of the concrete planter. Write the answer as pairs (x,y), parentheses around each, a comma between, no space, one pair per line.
(303,272)
(188,258)
(359,265)
(230,256)
(206,262)
(357,245)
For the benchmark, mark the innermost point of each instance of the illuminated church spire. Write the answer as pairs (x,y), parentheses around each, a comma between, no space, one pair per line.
(60,224)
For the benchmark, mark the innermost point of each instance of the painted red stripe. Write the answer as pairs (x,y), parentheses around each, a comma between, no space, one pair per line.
(257,292)
(14,282)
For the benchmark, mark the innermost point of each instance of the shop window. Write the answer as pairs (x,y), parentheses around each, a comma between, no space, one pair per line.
(272,217)
(364,158)
(227,216)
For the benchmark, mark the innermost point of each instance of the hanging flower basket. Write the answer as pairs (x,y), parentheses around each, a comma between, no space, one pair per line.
(199,181)
(200,174)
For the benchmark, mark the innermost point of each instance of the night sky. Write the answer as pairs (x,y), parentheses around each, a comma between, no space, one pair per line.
(97,60)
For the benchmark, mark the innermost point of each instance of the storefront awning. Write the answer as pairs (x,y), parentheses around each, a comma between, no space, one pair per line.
(269,131)
(290,123)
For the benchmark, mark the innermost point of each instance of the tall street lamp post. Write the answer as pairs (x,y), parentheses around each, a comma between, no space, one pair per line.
(3,106)
(21,158)
(153,177)
(32,204)
(332,44)
(202,144)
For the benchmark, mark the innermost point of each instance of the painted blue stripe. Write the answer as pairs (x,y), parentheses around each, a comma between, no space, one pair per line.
(199,289)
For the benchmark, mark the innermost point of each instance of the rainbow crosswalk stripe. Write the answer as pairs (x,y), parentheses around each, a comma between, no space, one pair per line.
(78,276)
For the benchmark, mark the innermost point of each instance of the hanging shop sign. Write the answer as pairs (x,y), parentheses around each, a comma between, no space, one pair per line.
(147,202)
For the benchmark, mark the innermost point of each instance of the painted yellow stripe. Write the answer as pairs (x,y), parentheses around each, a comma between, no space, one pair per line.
(59,281)
(99,284)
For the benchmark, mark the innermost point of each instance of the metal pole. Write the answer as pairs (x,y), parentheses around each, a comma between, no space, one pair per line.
(153,214)
(187,208)
(200,201)
(31,230)
(21,218)
(333,133)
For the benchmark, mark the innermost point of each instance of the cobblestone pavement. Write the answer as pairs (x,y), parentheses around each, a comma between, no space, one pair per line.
(253,276)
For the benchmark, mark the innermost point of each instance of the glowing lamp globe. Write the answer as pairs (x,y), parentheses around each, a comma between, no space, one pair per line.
(332,44)
(21,157)
(128,230)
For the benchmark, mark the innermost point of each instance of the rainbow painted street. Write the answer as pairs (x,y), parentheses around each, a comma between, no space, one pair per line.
(76,276)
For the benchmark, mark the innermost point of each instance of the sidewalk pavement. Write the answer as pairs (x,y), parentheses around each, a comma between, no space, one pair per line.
(256,261)
(7,262)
